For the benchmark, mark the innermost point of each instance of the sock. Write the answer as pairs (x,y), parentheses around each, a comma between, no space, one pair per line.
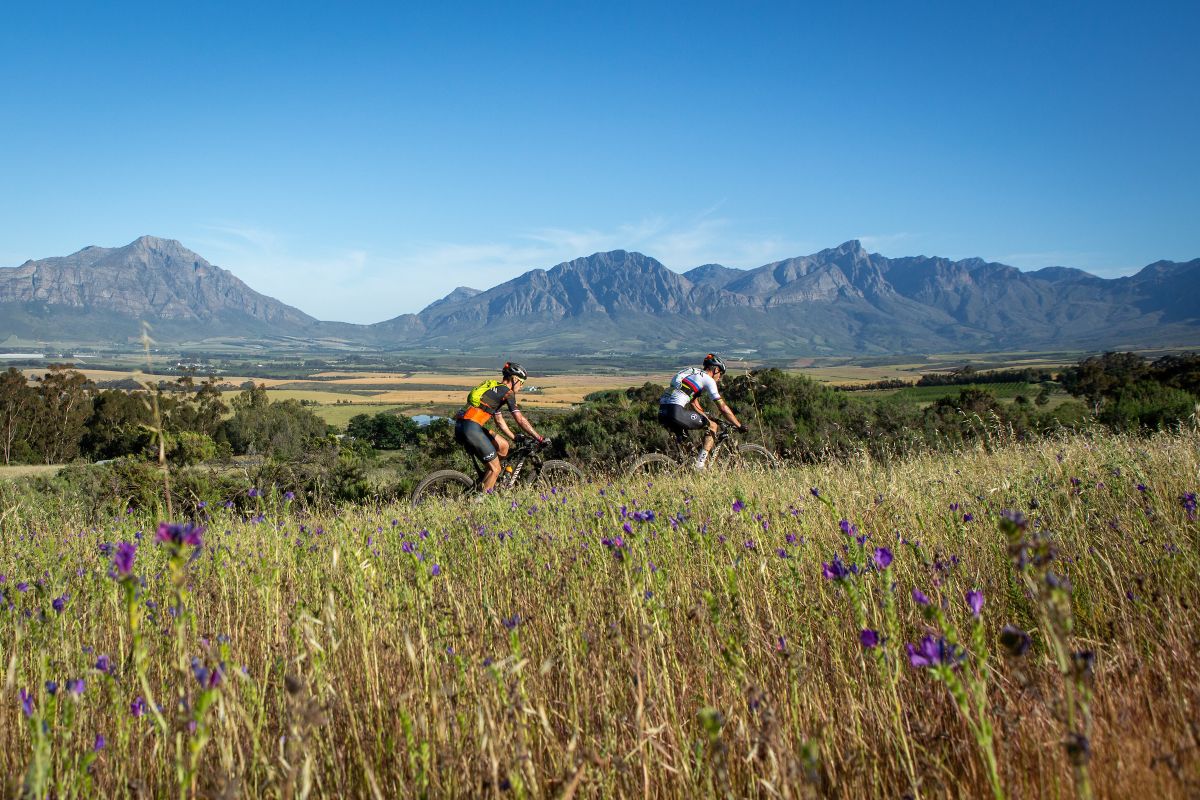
(702,459)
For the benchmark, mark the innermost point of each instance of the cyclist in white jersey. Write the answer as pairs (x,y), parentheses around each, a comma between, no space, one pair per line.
(679,409)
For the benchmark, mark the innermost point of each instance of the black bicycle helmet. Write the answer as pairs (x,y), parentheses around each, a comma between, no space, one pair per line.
(512,370)
(714,360)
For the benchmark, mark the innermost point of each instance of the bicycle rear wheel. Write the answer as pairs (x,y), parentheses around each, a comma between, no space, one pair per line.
(653,464)
(557,474)
(445,484)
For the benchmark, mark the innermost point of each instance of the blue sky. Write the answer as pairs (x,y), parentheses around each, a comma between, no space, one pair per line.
(359,160)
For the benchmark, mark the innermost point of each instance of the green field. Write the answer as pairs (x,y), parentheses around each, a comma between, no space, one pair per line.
(695,636)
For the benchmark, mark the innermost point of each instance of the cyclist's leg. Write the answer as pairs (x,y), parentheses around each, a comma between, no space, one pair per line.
(483,445)
(499,442)
(681,420)
(710,436)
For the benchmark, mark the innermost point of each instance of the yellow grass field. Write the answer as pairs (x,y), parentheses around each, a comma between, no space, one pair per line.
(26,470)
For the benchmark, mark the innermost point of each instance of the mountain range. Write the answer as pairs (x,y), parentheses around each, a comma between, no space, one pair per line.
(839,301)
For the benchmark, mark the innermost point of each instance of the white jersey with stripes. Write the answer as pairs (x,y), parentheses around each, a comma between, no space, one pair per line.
(687,386)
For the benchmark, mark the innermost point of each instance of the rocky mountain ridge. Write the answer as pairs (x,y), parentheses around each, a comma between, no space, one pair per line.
(841,300)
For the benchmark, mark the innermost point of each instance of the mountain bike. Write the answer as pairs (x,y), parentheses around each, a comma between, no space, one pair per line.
(525,458)
(725,452)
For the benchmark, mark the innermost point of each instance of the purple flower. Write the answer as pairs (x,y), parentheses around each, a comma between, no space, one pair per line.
(968,517)
(848,528)
(975,601)
(868,638)
(137,707)
(738,505)
(882,557)
(815,492)
(200,671)
(790,538)
(1015,640)
(76,686)
(1141,487)
(104,664)
(627,528)
(26,703)
(1188,501)
(60,602)
(835,570)
(920,597)
(1015,517)
(98,745)
(253,492)
(954,506)
(933,652)
(511,622)
(289,496)
(22,586)
(435,570)
(51,688)
(180,534)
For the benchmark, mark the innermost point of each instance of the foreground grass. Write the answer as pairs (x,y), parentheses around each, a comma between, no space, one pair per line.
(572,644)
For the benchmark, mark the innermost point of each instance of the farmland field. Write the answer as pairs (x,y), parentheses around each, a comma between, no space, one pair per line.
(439,391)
(729,634)
(26,470)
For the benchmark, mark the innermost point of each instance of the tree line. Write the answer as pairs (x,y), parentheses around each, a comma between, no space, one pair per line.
(62,417)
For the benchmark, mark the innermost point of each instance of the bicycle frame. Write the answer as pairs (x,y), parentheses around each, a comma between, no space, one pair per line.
(511,467)
(689,448)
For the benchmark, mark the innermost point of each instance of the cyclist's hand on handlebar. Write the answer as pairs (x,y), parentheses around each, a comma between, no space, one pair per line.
(546,441)
(741,428)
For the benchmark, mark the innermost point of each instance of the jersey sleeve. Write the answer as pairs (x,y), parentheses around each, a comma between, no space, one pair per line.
(710,387)
(510,402)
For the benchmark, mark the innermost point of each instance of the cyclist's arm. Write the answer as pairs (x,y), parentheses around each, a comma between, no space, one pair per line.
(728,412)
(525,426)
(502,425)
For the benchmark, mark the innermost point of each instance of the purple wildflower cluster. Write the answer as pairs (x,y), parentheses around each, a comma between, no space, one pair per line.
(935,652)
(178,534)
(123,558)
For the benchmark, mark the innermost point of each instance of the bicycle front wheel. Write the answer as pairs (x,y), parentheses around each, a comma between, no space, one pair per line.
(556,474)
(756,456)
(443,485)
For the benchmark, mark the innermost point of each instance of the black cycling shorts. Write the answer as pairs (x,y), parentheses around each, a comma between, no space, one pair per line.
(680,418)
(475,438)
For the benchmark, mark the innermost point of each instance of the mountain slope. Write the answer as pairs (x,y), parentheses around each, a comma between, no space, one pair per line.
(103,292)
(839,301)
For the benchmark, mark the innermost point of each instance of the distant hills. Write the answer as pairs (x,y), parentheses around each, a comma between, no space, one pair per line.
(840,301)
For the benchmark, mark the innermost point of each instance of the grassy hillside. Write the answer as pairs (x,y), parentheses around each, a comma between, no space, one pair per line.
(698,636)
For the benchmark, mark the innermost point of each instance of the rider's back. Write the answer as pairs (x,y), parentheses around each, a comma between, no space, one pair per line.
(687,385)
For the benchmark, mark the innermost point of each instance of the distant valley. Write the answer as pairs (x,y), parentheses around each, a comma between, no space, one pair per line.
(839,301)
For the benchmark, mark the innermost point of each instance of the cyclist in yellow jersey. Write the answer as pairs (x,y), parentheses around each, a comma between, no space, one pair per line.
(485,403)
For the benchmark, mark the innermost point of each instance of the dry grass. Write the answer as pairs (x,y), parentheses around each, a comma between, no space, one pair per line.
(25,470)
(689,660)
